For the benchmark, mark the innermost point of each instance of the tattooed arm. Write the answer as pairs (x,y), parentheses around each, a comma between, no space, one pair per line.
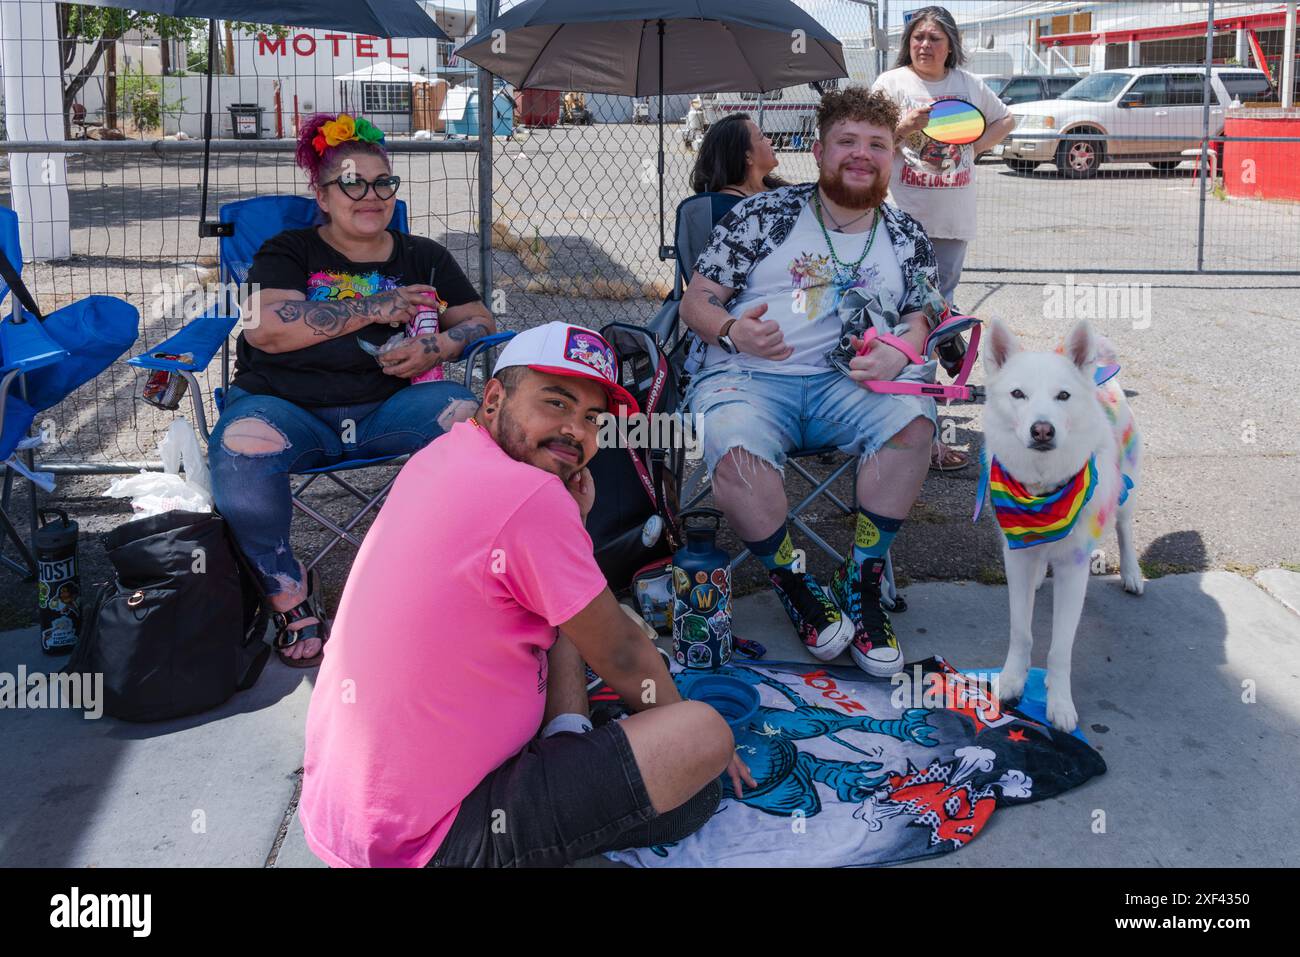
(704,310)
(462,325)
(704,307)
(284,320)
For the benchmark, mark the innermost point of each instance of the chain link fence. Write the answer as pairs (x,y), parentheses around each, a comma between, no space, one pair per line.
(1084,183)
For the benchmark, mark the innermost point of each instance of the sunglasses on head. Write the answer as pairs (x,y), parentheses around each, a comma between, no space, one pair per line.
(356,188)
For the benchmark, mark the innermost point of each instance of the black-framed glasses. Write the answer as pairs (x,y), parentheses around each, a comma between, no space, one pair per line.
(356,188)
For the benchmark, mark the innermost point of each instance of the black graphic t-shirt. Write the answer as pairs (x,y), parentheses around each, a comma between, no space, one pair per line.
(338,371)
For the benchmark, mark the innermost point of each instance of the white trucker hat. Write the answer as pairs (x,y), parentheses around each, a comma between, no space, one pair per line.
(558,348)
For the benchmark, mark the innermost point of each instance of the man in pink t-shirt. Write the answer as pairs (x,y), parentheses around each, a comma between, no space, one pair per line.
(462,631)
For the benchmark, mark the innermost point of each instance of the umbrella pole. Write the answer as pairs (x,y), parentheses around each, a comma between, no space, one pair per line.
(207,229)
(664,252)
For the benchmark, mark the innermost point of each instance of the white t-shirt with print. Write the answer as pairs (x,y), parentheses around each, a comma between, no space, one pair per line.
(796,282)
(935,182)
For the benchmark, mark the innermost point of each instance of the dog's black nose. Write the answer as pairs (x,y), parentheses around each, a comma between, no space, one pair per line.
(1042,432)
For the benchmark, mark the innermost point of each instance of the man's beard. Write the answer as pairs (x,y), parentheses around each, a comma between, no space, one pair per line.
(866,197)
(510,436)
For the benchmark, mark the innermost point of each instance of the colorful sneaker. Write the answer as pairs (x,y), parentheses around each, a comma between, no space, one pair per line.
(819,624)
(857,590)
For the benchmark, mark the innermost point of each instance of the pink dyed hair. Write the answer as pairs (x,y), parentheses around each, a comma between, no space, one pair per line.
(313,163)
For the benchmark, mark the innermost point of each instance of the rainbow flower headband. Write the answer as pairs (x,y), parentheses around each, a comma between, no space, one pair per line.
(344,128)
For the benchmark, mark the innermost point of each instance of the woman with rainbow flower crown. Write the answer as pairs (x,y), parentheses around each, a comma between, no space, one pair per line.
(325,368)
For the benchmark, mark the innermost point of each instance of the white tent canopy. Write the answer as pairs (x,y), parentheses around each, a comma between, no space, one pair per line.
(382,72)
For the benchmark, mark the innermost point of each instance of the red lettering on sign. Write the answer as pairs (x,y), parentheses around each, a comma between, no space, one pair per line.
(266,45)
(365,46)
(334,38)
(393,54)
(298,46)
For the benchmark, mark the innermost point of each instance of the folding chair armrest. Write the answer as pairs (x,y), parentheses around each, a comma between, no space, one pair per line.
(483,346)
(25,345)
(487,342)
(191,349)
(666,323)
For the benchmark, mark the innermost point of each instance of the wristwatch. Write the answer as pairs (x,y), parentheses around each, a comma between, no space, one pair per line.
(724,340)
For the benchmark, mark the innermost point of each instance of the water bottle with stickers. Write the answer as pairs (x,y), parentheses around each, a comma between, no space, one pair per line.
(701,593)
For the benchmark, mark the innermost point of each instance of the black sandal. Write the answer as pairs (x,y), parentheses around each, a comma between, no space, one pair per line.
(310,607)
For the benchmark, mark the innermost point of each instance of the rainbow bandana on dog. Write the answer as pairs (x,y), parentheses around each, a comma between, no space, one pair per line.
(343,128)
(1029,519)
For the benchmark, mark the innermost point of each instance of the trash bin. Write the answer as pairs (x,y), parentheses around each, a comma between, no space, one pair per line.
(246,120)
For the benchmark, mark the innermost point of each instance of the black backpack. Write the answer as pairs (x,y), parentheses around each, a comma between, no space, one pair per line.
(634,484)
(179,629)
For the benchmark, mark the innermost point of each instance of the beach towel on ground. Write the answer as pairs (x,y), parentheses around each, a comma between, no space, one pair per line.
(851,773)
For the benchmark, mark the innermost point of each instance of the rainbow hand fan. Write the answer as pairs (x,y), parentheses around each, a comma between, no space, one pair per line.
(955,122)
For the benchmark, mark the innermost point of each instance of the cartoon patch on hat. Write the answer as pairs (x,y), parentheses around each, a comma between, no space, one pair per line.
(589,349)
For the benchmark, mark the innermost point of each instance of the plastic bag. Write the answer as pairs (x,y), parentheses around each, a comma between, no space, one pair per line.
(153,493)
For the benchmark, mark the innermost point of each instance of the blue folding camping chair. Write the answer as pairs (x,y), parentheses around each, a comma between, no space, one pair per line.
(245,226)
(43,359)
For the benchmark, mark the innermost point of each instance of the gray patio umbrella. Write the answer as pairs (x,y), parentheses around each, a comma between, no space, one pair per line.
(379,18)
(619,47)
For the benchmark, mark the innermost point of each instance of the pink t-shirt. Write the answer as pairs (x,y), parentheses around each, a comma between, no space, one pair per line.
(435,672)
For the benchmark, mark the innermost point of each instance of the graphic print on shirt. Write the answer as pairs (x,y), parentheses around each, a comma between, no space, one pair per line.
(325,286)
(932,165)
(815,274)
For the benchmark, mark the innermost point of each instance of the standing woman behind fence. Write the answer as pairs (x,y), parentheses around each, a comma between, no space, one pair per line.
(935,182)
(309,389)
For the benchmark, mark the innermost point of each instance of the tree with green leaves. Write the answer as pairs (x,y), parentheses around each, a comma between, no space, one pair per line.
(102,27)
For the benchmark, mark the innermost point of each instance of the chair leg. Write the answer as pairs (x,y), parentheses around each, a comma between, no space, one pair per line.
(341,532)
(27,570)
(825,486)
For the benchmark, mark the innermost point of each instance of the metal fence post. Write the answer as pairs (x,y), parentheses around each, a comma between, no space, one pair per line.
(486,13)
(1208,92)
(882,55)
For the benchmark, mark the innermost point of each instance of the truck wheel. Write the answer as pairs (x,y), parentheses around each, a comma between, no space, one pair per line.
(1078,159)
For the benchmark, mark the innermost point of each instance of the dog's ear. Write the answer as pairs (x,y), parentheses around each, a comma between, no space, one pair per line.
(1081,345)
(1003,344)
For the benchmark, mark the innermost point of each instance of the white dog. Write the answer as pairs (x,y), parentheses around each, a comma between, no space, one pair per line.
(1062,453)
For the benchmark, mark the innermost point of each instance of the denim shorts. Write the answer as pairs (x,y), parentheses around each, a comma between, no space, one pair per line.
(564,798)
(771,415)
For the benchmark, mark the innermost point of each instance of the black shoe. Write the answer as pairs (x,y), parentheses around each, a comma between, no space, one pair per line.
(819,624)
(857,589)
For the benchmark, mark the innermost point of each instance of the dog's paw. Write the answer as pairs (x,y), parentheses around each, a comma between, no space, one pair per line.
(1009,683)
(1060,711)
(1133,582)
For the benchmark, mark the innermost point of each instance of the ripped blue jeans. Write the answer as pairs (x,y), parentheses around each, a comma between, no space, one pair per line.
(771,415)
(261,440)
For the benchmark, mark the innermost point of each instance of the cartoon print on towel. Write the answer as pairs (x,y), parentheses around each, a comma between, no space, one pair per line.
(850,771)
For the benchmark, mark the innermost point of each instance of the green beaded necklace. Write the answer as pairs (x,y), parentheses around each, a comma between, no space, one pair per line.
(845,273)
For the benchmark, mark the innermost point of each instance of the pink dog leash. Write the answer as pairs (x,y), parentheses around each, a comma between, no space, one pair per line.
(958,390)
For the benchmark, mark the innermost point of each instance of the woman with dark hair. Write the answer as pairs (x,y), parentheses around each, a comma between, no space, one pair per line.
(935,182)
(324,362)
(736,161)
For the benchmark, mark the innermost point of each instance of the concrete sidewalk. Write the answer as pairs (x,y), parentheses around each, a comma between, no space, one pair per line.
(1197,776)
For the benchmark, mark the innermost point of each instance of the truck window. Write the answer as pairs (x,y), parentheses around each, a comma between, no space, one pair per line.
(1187,89)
